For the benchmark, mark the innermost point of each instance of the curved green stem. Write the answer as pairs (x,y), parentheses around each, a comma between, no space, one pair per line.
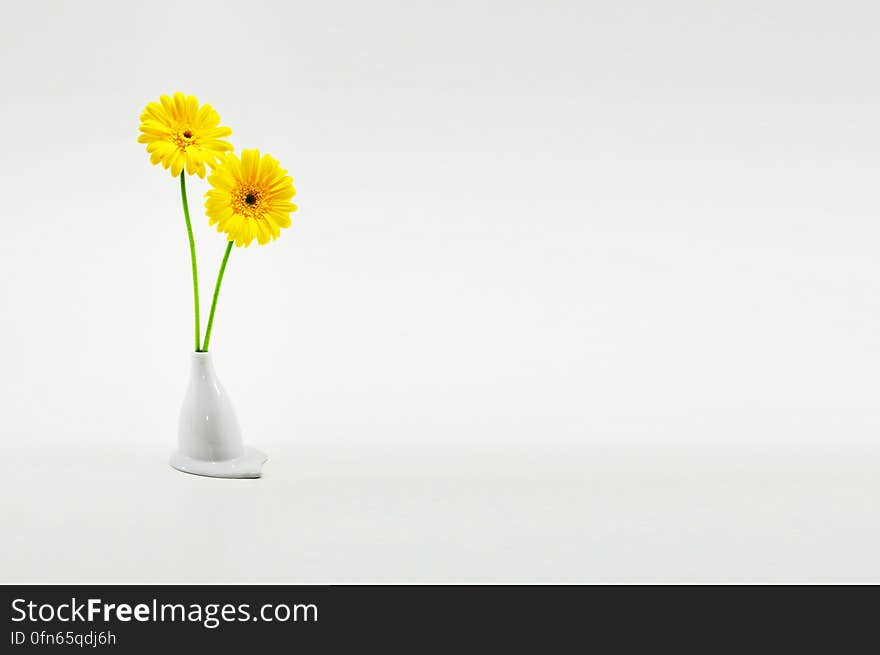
(192,256)
(216,294)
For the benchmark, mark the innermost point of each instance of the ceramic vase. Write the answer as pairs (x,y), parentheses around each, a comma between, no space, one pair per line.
(209,437)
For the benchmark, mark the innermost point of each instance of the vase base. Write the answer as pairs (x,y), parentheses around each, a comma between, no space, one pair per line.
(249,465)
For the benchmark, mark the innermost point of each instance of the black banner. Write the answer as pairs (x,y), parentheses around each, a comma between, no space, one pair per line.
(414,618)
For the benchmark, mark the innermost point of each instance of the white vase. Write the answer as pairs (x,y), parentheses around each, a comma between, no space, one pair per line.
(209,437)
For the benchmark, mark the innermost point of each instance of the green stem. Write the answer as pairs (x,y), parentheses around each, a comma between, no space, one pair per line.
(192,256)
(216,294)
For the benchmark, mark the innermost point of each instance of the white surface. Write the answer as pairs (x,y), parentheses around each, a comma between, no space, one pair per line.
(391,515)
(534,231)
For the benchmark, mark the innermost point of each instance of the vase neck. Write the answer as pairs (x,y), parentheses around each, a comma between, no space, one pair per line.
(202,364)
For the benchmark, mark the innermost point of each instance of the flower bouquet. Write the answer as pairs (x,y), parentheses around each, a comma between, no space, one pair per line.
(250,198)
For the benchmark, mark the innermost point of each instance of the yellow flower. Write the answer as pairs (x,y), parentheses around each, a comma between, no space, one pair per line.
(250,199)
(179,134)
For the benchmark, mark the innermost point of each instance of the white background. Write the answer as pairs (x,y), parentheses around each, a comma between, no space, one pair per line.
(577,292)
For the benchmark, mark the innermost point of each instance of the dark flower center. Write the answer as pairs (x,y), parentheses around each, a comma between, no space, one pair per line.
(250,199)
(188,134)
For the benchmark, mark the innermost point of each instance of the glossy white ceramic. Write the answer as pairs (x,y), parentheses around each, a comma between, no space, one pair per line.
(209,437)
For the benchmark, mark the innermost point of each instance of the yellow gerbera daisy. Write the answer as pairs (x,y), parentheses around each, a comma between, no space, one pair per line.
(179,134)
(250,199)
